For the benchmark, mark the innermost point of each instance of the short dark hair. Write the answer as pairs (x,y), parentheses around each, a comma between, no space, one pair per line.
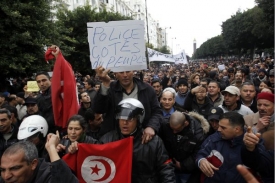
(89,115)
(247,83)
(79,95)
(155,81)
(91,82)
(42,73)
(235,119)
(204,80)
(213,81)
(5,111)
(80,119)
(11,109)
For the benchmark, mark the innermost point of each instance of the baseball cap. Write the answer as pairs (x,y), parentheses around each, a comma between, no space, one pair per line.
(30,100)
(232,89)
(214,113)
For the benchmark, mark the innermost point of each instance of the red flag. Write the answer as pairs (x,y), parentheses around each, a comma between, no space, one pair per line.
(64,95)
(111,162)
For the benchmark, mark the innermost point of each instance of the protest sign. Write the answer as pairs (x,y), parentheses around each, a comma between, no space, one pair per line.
(117,45)
(158,56)
(32,86)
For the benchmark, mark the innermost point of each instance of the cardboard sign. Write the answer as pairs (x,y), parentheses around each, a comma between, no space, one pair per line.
(32,86)
(117,45)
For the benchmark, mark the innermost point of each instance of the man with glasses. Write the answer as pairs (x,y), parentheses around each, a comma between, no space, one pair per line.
(8,131)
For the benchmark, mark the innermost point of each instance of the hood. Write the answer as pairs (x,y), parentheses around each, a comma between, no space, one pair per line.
(204,123)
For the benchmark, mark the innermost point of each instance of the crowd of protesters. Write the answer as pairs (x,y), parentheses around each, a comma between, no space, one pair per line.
(206,116)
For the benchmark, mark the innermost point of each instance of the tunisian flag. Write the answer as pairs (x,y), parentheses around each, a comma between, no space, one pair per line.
(111,162)
(64,96)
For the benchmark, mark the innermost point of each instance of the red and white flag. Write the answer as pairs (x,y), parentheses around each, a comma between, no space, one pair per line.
(102,163)
(64,94)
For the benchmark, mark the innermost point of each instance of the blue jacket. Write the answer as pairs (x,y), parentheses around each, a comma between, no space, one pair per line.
(231,152)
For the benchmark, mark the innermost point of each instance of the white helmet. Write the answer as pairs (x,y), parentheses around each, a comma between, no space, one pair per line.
(129,108)
(32,125)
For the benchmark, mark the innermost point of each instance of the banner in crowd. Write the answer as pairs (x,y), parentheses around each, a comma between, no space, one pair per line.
(158,56)
(99,163)
(117,45)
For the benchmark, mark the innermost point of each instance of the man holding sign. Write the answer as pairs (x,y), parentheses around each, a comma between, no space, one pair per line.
(126,86)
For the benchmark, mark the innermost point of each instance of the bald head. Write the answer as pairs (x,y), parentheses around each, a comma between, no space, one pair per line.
(177,118)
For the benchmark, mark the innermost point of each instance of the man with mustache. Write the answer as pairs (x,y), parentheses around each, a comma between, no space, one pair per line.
(261,120)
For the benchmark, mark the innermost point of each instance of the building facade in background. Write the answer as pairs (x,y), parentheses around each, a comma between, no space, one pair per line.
(132,8)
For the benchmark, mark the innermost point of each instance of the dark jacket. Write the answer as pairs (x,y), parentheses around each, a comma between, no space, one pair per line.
(253,106)
(107,104)
(82,110)
(44,102)
(184,145)
(150,161)
(231,152)
(260,160)
(192,105)
(4,144)
(55,172)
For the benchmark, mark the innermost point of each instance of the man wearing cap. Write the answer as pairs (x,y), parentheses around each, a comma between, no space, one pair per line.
(231,101)
(261,77)
(261,120)
(213,119)
(32,107)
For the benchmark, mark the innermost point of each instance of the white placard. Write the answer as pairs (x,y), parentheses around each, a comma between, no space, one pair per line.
(117,45)
(221,67)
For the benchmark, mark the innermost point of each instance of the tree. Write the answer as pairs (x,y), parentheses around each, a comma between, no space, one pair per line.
(25,28)
(72,25)
(213,47)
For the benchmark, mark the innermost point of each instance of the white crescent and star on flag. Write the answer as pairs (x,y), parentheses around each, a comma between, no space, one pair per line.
(98,169)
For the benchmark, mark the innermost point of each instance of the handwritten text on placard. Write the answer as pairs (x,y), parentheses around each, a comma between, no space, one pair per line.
(117,45)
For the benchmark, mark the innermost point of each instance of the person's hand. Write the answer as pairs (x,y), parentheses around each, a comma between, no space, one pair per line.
(248,177)
(60,148)
(263,122)
(250,139)
(102,73)
(55,50)
(52,140)
(73,147)
(207,168)
(148,134)
(197,89)
(177,164)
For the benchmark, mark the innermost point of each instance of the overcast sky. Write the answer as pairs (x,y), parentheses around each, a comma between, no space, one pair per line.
(193,19)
